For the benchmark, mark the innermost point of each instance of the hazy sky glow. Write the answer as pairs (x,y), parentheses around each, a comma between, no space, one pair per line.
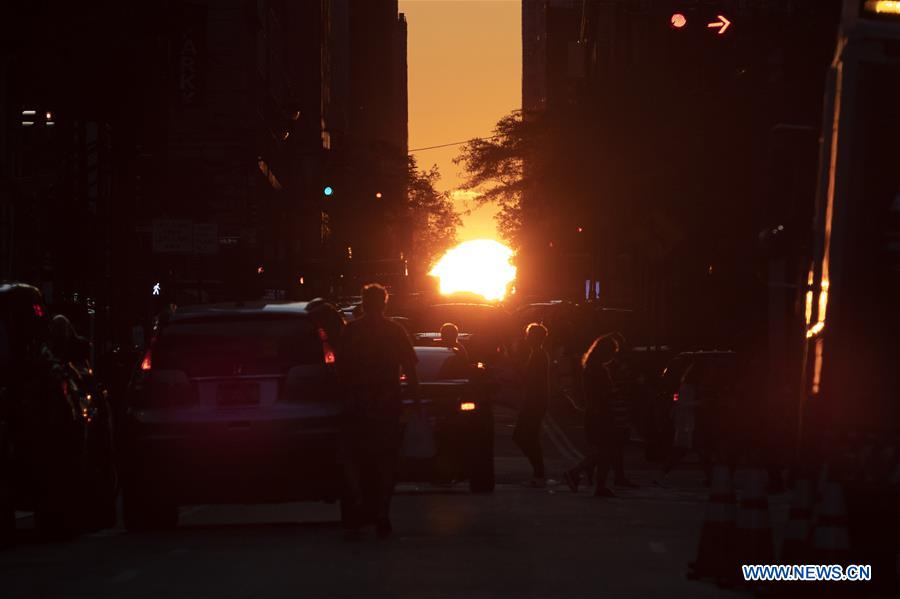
(465,72)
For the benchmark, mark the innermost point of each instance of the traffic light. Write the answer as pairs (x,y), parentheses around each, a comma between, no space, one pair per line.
(714,22)
(328,191)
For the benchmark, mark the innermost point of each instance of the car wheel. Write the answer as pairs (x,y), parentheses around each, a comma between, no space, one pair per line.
(482,479)
(102,481)
(481,473)
(143,512)
(58,507)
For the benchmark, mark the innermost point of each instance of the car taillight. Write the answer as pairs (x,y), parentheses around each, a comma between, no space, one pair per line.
(674,397)
(327,351)
(147,362)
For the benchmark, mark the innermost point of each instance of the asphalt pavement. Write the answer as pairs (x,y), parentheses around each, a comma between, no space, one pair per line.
(517,542)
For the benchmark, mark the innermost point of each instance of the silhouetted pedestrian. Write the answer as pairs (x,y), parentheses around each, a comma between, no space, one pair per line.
(67,345)
(450,338)
(373,351)
(685,417)
(535,399)
(599,423)
(623,387)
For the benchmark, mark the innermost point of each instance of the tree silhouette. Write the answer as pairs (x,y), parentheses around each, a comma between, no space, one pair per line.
(503,167)
(433,218)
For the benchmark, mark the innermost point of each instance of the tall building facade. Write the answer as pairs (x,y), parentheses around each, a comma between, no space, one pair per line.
(179,151)
(367,229)
(684,135)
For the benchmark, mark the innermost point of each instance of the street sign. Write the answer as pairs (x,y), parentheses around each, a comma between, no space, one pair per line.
(185,237)
(172,236)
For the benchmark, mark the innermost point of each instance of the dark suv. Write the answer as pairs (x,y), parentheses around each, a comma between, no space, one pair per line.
(55,427)
(232,403)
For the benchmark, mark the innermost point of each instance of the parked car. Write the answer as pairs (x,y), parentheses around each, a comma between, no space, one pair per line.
(456,401)
(55,427)
(716,372)
(232,403)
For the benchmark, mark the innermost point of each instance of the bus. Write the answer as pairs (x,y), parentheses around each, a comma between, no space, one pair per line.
(851,300)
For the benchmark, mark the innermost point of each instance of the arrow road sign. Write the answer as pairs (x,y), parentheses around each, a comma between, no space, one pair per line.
(722,24)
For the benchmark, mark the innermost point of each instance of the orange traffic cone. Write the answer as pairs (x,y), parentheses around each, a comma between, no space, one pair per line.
(753,535)
(713,556)
(796,549)
(831,540)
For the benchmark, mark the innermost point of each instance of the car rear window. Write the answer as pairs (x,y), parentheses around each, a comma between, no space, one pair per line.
(467,318)
(439,364)
(237,347)
(718,372)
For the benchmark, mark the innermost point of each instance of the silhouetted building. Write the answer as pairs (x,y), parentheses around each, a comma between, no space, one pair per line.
(189,146)
(366,211)
(550,28)
(667,129)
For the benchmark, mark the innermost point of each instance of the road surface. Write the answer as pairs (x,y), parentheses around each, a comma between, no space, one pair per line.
(518,542)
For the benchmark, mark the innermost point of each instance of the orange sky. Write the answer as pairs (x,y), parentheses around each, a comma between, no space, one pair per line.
(465,72)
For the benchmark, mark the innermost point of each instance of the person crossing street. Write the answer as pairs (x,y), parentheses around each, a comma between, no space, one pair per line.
(373,351)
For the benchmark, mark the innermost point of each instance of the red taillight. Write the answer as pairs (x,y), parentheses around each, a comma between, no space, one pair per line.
(327,350)
(329,354)
(147,362)
(674,397)
(38,310)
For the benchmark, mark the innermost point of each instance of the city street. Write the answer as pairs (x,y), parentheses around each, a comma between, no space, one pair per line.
(518,542)
(252,250)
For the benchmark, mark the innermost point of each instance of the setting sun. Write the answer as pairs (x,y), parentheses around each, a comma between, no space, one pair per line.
(480,266)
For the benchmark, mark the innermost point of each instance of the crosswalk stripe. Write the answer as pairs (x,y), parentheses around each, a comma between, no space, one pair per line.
(577,455)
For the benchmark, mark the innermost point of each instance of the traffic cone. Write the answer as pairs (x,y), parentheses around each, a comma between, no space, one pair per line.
(753,535)
(831,540)
(795,548)
(713,556)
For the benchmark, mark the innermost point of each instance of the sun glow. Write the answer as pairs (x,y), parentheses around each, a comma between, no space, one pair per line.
(480,266)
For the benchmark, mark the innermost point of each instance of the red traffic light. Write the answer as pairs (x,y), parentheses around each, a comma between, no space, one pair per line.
(678,20)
